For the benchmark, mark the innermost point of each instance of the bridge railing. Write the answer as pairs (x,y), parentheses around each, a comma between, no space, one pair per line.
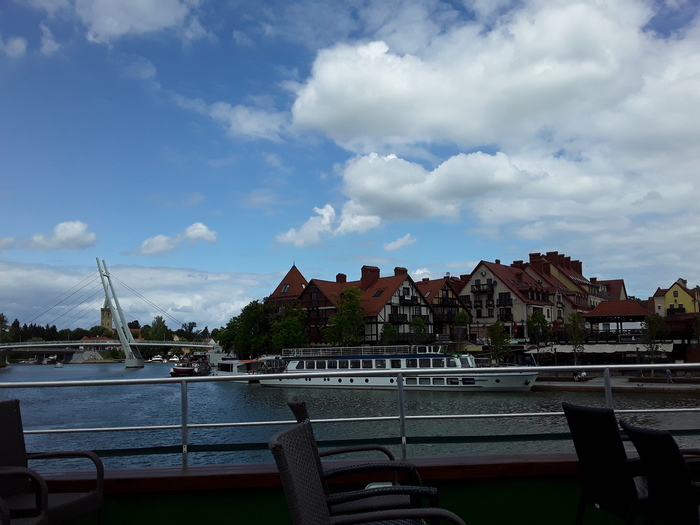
(107,342)
(402,438)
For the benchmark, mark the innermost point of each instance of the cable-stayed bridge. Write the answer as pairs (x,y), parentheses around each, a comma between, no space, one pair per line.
(124,339)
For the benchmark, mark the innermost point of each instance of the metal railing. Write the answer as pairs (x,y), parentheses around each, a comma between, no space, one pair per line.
(185,426)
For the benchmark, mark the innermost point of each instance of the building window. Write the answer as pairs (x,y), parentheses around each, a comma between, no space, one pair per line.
(675,293)
(285,288)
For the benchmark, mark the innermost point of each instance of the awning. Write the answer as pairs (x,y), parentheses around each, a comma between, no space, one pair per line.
(603,348)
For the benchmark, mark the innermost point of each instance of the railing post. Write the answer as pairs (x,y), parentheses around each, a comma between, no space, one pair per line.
(608,388)
(184,416)
(402,415)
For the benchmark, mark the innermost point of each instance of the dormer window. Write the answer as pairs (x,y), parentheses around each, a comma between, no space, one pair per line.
(285,288)
(378,292)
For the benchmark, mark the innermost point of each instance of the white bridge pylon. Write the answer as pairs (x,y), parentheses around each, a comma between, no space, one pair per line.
(133,356)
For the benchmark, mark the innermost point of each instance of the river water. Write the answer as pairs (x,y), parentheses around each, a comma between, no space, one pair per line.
(224,402)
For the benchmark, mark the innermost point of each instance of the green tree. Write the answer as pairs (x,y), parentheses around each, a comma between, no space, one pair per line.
(653,330)
(389,334)
(289,330)
(539,330)
(347,326)
(4,327)
(15,332)
(159,330)
(100,331)
(462,321)
(419,331)
(499,341)
(576,333)
(248,334)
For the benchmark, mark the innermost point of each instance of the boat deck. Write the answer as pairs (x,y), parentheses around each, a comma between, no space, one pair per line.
(525,489)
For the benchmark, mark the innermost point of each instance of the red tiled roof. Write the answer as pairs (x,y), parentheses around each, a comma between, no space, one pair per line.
(629,308)
(291,286)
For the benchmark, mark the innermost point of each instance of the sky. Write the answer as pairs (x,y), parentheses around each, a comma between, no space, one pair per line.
(203,147)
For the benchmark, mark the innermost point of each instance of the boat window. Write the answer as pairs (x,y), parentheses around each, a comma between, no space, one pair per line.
(343,363)
(424,363)
(300,365)
(396,363)
(451,363)
(438,363)
(310,365)
(467,380)
(366,363)
(422,349)
(332,364)
(453,381)
(355,363)
(423,380)
(380,363)
(411,380)
(411,363)
(320,365)
(438,381)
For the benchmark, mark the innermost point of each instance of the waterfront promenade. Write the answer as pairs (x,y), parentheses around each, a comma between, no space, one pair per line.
(619,384)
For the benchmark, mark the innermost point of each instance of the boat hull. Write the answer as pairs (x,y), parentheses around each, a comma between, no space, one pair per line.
(467,382)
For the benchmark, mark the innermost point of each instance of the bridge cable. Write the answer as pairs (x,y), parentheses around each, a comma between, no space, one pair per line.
(179,323)
(49,308)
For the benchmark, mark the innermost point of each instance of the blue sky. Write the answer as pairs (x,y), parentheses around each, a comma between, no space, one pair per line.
(203,147)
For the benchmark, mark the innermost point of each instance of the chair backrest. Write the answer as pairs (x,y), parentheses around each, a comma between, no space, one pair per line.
(295,454)
(605,474)
(298,408)
(13,452)
(671,494)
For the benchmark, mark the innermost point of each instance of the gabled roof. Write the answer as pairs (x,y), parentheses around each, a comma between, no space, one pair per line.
(629,310)
(430,287)
(375,293)
(291,286)
(517,280)
(616,289)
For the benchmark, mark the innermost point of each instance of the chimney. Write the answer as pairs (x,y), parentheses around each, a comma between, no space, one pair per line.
(567,263)
(577,266)
(341,278)
(534,257)
(518,264)
(397,271)
(498,261)
(426,279)
(552,257)
(370,274)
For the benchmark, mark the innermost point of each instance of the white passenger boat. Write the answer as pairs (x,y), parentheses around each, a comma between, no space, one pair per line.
(438,370)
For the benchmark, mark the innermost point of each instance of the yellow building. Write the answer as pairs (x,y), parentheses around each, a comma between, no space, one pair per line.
(677,300)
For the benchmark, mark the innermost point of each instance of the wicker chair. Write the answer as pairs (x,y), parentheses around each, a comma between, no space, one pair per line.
(60,507)
(673,496)
(391,469)
(606,473)
(40,492)
(295,454)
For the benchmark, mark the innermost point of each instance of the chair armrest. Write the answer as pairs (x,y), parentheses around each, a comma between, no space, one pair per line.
(395,490)
(398,514)
(690,451)
(390,466)
(358,448)
(41,492)
(99,467)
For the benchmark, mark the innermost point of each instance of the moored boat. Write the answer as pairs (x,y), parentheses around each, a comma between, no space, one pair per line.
(193,365)
(421,368)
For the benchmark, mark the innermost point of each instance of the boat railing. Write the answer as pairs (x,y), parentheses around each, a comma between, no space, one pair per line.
(401,417)
(340,351)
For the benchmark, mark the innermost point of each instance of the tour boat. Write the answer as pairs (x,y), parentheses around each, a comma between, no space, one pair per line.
(421,368)
(193,365)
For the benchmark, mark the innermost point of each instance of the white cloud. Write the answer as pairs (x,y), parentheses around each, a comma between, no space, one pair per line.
(15,47)
(572,120)
(49,46)
(205,297)
(66,236)
(141,68)
(239,120)
(7,243)
(310,232)
(399,243)
(160,244)
(109,20)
